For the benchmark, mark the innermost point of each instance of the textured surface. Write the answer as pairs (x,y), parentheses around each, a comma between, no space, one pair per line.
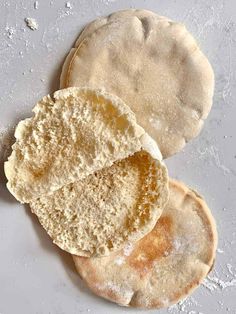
(167,264)
(102,212)
(154,65)
(71,135)
(35,276)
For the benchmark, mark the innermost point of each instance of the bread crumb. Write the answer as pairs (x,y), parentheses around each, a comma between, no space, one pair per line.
(31,23)
(10,31)
(68,5)
(120,260)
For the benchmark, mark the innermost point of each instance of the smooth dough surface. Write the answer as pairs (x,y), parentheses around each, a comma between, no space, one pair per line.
(71,135)
(102,212)
(154,65)
(94,25)
(166,265)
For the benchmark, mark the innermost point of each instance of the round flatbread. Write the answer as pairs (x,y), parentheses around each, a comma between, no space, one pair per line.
(94,25)
(107,209)
(166,265)
(154,65)
(114,17)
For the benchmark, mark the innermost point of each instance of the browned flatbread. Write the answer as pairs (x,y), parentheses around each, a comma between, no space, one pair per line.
(166,265)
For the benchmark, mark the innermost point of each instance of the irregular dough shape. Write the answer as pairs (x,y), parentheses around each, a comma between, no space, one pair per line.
(166,265)
(154,65)
(70,136)
(102,212)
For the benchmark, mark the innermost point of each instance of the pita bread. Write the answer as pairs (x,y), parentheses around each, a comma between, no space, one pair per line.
(99,214)
(70,136)
(154,65)
(94,25)
(166,265)
(114,17)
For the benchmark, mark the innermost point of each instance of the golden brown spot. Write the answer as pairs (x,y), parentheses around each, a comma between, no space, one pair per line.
(154,246)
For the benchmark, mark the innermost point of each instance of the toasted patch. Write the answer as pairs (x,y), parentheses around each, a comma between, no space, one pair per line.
(166,265)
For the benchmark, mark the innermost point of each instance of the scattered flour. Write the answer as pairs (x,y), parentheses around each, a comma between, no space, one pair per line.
(79,310)
(119,260)
(184,245)
(214,153)
(108,1)
(31,23)
(156,123)
(214,283)
(230,269)
(177,244)
(68,5)
(128,249)
(63,14)
(125,292)
(36,5)
(184,306)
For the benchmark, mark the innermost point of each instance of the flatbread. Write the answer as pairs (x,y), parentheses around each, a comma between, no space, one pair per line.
(166,265)
(94,25)
(154,65)
(114,17)
(99,214)
(71,135)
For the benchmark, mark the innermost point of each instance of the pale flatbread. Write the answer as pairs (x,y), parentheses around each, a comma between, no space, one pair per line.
(102,212)
(94,25)
(70,136)
(114,17)
(154,65)
(166,265)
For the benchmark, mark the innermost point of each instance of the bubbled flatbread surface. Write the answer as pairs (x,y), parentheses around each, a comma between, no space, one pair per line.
(154,65)
(166,265)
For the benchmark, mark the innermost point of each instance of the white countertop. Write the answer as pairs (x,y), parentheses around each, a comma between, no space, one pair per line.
(37,277)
